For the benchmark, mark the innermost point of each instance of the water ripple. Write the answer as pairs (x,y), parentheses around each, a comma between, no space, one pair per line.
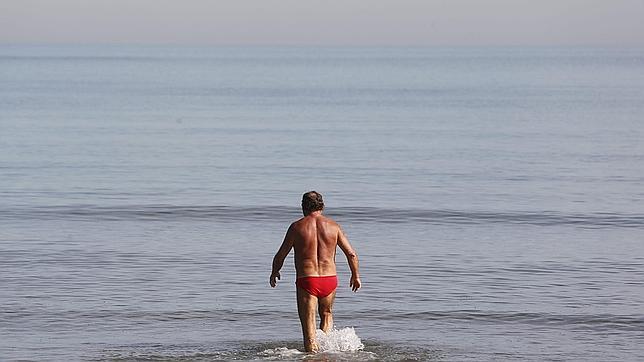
(348,214)
(595,322)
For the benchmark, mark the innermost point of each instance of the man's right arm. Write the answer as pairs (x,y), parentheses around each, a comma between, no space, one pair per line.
(352,259)
(281,254)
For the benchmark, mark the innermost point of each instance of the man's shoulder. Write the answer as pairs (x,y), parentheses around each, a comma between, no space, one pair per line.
(297,224)
(298,221)
(330,221)
(304,220)
(329,224)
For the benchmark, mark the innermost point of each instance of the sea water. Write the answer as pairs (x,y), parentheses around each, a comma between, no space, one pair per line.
(494,196)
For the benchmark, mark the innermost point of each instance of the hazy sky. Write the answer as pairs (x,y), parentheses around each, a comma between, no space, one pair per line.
(325,22)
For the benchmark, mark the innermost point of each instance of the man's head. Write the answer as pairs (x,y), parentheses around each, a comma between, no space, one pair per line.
(312,201)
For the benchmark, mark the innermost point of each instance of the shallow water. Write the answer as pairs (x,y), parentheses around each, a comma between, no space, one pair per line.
(494,197)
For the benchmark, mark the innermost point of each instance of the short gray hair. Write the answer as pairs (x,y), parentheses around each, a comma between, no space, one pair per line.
(312,201)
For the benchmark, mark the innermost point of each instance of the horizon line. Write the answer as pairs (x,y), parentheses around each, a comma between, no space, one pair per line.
(324,45)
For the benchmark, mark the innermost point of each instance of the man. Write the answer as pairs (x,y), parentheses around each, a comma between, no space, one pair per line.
(314,238)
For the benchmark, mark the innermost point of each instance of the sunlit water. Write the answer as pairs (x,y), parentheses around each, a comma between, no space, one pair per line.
(495,198)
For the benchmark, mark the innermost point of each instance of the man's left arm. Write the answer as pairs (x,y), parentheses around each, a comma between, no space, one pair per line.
(281,254)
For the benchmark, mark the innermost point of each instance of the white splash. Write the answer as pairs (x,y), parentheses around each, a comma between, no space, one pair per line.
(339,340)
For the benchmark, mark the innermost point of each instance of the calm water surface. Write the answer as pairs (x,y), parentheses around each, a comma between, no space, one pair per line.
(495,197)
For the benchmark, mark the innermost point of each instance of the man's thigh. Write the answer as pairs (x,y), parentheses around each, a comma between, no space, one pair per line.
(306,303)
(326,303)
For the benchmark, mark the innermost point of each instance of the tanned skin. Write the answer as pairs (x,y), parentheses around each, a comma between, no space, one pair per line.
(315,238)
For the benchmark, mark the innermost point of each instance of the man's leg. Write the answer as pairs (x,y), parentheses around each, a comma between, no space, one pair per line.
(306,304)
(325,308)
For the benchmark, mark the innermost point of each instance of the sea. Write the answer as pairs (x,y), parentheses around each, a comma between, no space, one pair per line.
(494,195)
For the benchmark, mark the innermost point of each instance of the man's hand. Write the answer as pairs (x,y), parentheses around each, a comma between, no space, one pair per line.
(355,283)
(272,280)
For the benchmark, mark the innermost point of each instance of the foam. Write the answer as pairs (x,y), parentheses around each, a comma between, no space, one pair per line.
(339,340)
(280,353)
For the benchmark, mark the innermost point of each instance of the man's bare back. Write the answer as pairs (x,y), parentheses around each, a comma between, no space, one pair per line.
(315,238)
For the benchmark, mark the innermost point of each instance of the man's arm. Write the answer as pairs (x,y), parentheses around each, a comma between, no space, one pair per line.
(352,259)
(281,254)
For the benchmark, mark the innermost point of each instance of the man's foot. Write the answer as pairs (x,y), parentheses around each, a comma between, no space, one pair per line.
(312,346)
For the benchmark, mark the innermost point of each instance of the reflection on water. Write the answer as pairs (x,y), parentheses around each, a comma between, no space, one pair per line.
(271,351)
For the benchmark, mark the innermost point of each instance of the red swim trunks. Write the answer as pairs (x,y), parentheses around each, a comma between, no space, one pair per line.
(318,286)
